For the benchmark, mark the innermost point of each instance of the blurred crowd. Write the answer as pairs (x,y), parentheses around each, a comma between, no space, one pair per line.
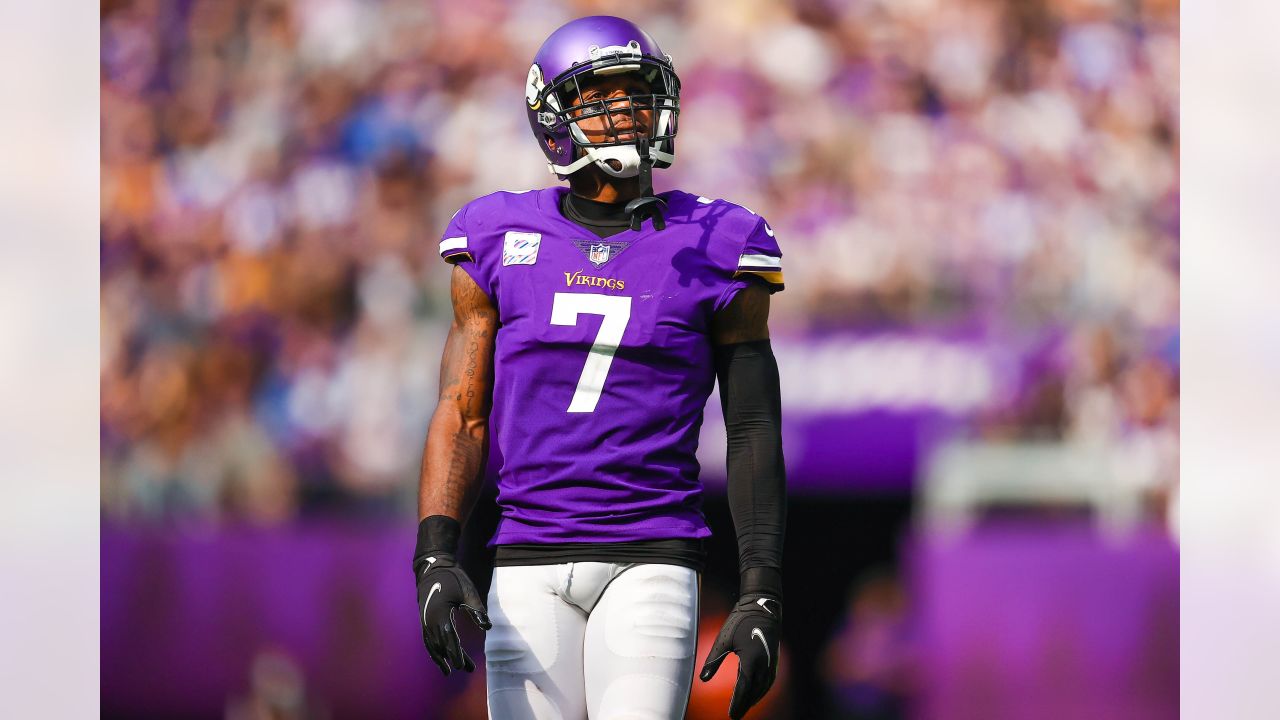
(276,173)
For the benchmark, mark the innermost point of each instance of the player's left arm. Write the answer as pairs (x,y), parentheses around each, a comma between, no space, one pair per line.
(751,399)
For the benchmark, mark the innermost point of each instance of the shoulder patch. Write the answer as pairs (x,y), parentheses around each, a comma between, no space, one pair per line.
(520,248)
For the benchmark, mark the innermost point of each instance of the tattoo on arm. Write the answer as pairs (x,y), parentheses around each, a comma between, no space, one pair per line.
(744,319)
(457,443)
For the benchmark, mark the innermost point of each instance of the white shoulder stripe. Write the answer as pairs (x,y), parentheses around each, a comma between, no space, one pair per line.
(453,243)
(760,261)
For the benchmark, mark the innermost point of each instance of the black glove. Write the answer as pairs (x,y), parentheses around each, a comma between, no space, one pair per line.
(443,586)
(751,631)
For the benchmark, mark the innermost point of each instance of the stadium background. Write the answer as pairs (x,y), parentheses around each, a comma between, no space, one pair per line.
(978,203)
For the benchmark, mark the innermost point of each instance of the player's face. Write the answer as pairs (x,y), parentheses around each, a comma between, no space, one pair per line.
(618,125)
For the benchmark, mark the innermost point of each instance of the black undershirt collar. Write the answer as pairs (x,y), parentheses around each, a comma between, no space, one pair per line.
(603,219)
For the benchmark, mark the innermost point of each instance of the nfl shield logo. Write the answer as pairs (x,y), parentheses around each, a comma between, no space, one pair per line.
(598,255)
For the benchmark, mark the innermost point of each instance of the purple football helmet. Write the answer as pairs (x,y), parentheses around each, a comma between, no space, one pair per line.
(597,46)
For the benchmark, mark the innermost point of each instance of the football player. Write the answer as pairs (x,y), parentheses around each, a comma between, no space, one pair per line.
(590,325)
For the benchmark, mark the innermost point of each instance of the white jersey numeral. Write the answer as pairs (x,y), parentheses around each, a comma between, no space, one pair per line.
(616,310)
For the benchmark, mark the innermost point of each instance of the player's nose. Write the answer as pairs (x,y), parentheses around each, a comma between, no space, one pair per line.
(618,101)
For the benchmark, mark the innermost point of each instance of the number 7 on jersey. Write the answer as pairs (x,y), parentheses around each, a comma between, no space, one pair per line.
(565,309)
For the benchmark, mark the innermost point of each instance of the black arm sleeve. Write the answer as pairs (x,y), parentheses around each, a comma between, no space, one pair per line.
(752,403)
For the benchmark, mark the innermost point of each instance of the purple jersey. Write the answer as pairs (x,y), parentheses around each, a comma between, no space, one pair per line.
(603,359)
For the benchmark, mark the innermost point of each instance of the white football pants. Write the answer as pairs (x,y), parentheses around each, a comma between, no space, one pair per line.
(605,641)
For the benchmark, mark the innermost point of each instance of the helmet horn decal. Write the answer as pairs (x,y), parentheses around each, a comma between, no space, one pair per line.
(533,86)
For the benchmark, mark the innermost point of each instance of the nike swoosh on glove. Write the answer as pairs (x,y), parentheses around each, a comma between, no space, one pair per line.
(442,587)
(751,632)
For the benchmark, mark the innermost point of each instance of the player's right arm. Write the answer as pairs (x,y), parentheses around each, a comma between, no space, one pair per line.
(452,471)
(458,436)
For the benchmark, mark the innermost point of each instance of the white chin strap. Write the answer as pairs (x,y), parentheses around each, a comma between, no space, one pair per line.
(626,156)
